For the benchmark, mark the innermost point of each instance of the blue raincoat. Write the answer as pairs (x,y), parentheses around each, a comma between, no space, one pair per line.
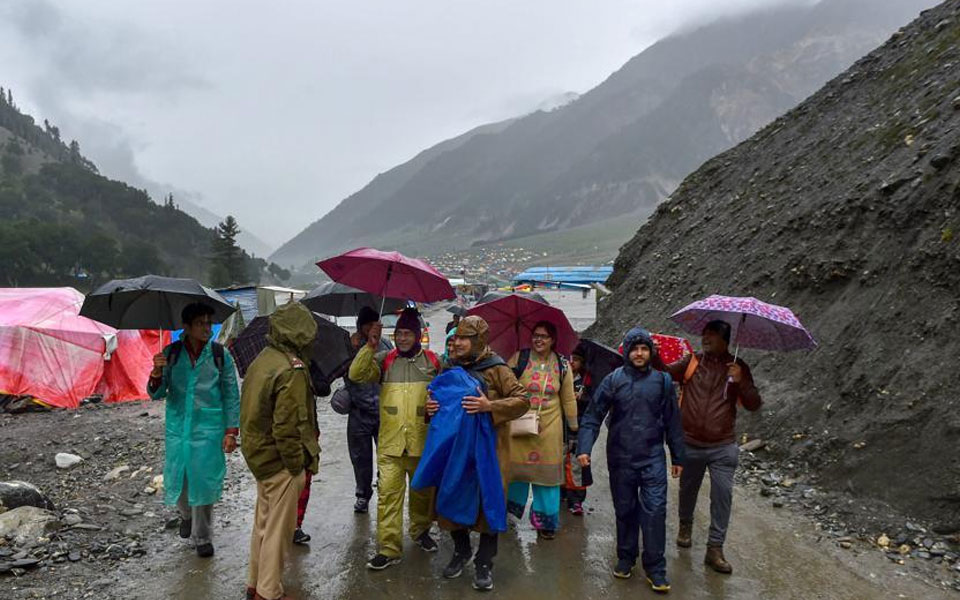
(202,403)
(460,456)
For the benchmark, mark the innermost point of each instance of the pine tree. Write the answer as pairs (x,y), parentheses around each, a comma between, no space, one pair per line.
(228,260)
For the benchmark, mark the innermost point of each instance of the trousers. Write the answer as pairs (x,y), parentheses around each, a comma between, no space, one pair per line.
(391,489)
(640,505)
(486,551)
(201,517)
(274,521)
(722,463)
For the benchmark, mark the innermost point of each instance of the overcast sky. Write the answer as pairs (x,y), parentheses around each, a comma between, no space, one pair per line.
(274,112)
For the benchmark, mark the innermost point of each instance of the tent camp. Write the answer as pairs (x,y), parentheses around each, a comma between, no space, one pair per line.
(50,352)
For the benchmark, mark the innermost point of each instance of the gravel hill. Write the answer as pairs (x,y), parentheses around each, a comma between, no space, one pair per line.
(846,210)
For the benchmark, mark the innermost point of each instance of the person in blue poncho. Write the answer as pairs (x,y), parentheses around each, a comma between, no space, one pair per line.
(199,381)
(643,411)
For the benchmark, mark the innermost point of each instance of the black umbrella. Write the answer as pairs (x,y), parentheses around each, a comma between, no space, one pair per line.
(338,300)
(150,302)
(498,294)
(330,353)
(457,310)
(598,360)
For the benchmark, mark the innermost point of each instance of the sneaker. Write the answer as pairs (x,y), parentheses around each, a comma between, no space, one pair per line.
(381,562)
(455,567)
(301,537)
(362,505)
(659,583)
(576,509)
(623,570)
(426,542)
(205,550)
(546,534)
(483,578)
(186,527)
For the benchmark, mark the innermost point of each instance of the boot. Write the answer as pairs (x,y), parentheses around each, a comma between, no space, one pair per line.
(715,560)
(685,535)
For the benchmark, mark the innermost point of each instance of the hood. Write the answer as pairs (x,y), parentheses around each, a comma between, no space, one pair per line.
(446,342)
(475,327)
(292,328)
(635,337)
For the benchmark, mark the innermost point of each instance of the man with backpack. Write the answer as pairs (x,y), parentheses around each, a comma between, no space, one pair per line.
(199,381)
(712,385)
(403,374)
(643,413)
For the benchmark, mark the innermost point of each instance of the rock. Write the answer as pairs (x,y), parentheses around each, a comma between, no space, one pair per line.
(14,494)
(904,549)
(149,490)
(5,567)
(846,545)
(914,527)
(26,524)
(157,483)
(73,556)
(25,563)
(71,520)
(66,461)
(883,541)
(87,527)
(116,472)
(923,554)
(172,523)
(778,503)
(940,161)
(752,445)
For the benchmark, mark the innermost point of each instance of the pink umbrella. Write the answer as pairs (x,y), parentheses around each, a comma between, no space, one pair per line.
(389,275)
(512,319)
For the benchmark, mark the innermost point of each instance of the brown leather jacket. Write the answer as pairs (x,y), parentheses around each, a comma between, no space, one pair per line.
(709,416)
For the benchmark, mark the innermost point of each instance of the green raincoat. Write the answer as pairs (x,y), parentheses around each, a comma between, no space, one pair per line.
(202,403)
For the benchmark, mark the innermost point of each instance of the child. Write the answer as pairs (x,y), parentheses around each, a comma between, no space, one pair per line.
(643,411)
(575,495)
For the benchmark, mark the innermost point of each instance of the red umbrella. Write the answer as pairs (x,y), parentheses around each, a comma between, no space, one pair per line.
(512,319)
(672,348)
(389,275)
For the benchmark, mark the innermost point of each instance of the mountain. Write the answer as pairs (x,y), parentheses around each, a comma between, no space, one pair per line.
(62,223)
(846,210)
(618,149)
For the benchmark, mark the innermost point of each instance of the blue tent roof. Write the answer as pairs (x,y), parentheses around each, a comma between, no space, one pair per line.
(584,275)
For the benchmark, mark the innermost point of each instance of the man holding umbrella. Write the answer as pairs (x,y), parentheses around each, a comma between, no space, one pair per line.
(712,384)
(199,382)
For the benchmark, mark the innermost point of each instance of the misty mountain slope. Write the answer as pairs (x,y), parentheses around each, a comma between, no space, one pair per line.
(846,210)
(601,150)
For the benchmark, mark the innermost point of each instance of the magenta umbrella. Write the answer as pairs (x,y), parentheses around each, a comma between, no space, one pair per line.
(389,275)
(512,319)
(755,324)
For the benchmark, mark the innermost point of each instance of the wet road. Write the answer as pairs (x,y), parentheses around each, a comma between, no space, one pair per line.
(774,554)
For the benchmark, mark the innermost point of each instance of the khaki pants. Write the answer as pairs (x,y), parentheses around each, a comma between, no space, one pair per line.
(274,521)
(391,489)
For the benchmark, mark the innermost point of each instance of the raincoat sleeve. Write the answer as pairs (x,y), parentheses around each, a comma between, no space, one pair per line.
(747,392)
(568,400)
(513,402)
(672,420)
(230,393)
(596,412)
(288,412)
(365,367)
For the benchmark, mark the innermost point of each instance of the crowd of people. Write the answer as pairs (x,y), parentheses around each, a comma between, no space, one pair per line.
(545,410)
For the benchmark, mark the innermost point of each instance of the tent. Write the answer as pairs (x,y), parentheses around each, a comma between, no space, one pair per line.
(126,372)
(47,350)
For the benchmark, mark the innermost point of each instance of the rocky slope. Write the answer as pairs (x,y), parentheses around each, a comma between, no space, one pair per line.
(618,149)
(846,210)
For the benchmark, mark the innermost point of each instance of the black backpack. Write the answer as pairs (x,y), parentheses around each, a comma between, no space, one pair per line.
(177,347)
(524,359)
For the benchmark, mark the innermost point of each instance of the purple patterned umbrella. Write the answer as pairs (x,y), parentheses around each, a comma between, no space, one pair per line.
(755,324)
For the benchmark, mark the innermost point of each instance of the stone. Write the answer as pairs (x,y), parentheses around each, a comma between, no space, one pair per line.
(940,161)
(65,460)
(846,545)
(87,527)
(116,472)
(25,563)
(914,527)
(71,520)
(26,524)
(73,556)
(752,445)
(14,494)
(778,503)
(883,541)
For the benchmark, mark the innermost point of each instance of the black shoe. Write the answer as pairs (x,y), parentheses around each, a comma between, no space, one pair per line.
(205,550)
(381,562)
(300,537)
(483,577)
(426,542)
(623,570)
(186,528)
(362,505)
(455,568)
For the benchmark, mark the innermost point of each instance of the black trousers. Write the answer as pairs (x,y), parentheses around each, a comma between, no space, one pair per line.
(361,441)
(485,551)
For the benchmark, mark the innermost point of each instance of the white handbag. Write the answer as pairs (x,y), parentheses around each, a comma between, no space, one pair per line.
(529,424)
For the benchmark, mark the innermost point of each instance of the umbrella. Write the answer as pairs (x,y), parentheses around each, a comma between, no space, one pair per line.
(150,302)
(338,300)
(457,310)
(671,348)
(598,360)
(754,324)
(389,275)
(512,319)
(498,294)
(330,353)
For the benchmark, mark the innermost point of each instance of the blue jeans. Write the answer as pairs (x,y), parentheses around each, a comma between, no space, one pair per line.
(640,503)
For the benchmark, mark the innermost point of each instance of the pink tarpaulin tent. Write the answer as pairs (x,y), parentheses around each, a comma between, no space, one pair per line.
(47,350)
(125,375)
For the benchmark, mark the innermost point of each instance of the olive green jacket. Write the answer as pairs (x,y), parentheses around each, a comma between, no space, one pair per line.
(278,414)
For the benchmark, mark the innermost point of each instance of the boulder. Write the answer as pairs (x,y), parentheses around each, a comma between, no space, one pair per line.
(26,524)
(14,494)
(65,460)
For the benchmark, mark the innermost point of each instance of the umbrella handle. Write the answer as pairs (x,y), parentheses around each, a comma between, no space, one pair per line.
(383,294)
(736,354)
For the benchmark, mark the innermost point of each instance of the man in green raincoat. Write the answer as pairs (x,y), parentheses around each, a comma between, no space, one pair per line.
(199,381)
